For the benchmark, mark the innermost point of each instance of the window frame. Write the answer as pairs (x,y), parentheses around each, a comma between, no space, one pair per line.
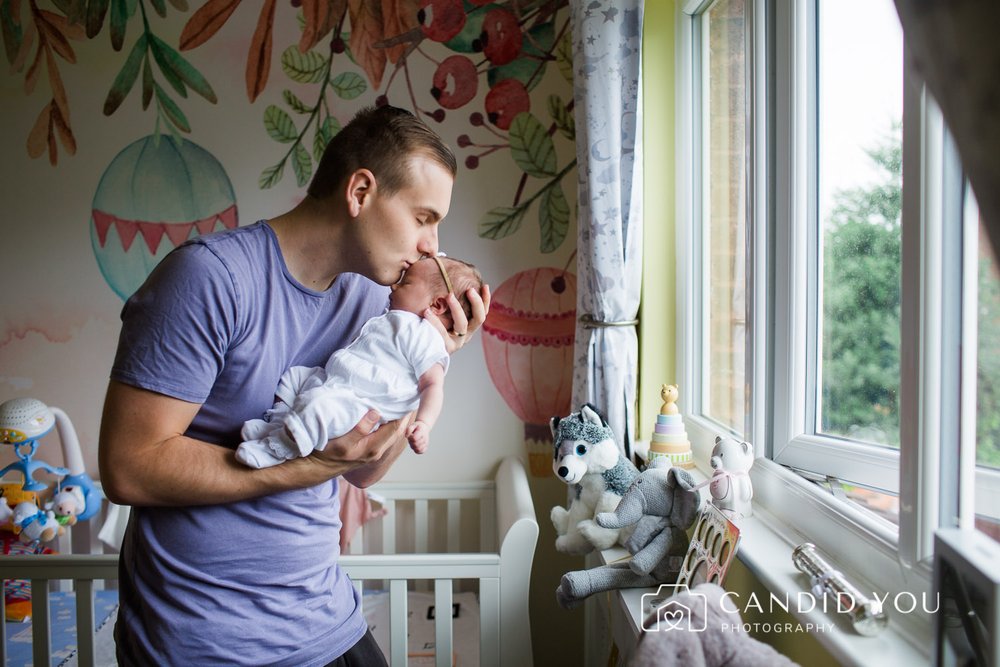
(869,547)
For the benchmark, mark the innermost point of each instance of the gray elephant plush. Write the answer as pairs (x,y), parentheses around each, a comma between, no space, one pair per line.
(662,504)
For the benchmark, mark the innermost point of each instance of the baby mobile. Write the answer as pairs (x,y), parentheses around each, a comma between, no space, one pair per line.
(33,510)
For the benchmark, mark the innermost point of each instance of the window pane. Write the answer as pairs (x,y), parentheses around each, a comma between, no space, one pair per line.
(724,201)
(860,109)
(987,493)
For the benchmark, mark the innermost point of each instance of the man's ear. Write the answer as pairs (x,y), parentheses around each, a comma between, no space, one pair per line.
(360,188)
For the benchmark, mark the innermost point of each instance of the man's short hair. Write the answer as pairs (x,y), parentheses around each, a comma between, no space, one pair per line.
(382,140)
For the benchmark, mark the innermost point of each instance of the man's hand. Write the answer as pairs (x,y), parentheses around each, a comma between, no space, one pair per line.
(361,445)
(462,328)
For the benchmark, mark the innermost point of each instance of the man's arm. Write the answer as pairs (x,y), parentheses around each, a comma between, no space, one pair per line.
(145,459)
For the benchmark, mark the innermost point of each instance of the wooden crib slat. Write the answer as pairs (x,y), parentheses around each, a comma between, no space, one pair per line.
(489,622)
(421,525)
(454,524)
(389,528)
(3,630)
(41,623)
(442,623)
(397,622)
(488,522)
(86,649)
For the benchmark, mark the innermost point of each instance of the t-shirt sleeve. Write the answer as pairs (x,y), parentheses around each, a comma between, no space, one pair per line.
(177,327)
(425,348)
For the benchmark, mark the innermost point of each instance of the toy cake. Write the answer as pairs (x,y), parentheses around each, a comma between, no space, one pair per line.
(670,439)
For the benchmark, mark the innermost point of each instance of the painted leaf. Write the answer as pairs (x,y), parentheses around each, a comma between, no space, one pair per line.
(324,134)
(170,110)
(501,221)
(65,133)
(166,69)
(301,165)
(279,125)
(294,103)
(366,32)
(206,22)
(309,67)
(27,41)
(270,176)
(553,218)
(160,7)
(319,18)
(399,17)
(31,77)
(564,56)
(49,24)
(119,21)
(180,5)
(348,85)
(531,146)
(123,83)
(55,83)
(467,40)
(96,11)
(562,117)
(147,83)
(259,57)
(38,137)
(167,57)
(529,68)
(12,34)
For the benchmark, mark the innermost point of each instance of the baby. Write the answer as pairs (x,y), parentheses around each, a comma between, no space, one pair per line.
(395,365)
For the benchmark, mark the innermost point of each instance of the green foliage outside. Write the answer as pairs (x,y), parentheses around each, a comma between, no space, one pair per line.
(860,383)
(861,315)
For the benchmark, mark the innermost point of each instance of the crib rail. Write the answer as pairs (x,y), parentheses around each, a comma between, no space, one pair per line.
(85,571)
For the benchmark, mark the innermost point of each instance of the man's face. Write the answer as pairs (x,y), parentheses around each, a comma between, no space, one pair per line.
(398,229)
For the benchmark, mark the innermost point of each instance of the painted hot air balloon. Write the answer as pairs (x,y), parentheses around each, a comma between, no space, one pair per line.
(528,342)
(156,194)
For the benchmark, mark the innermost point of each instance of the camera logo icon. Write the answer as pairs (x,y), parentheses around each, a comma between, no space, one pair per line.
(674,607)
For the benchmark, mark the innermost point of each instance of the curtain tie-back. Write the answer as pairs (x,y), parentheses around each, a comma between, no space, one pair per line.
(591,322)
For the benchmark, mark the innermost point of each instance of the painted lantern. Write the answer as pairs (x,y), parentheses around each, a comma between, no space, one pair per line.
(155,195)
(528,342)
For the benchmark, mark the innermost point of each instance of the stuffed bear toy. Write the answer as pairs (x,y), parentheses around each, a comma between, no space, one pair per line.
(587,458)
(662,503)
(68,504)
(33,525)
(730,485)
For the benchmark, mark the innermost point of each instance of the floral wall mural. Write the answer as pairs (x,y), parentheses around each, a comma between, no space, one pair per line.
(158,120)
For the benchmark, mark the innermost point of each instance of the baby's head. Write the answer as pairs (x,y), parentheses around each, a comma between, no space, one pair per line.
(424,286)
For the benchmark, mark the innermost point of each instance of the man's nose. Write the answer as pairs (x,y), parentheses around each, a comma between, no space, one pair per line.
(429,243)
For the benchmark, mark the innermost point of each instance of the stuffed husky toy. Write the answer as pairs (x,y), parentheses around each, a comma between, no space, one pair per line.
(587,458)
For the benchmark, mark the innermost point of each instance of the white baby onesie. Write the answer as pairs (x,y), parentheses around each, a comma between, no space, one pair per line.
(380,369)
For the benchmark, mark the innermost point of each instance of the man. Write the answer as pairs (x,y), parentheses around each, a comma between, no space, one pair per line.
(221,563)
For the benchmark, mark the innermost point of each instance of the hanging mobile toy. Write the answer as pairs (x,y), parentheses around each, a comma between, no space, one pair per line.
(24,421)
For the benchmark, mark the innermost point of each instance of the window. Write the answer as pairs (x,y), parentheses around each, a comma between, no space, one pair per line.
(838,291)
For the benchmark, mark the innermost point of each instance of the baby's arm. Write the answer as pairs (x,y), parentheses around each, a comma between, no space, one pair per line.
(431,388)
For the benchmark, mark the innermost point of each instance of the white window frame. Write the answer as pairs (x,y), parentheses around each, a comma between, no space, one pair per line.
(870,547)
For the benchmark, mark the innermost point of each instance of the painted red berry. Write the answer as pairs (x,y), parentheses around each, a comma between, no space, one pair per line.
(455,82)
(505,100)
(476,119)
(381,101)
(558,284)
(338,46)
(501,37)
(438,115)
(472,162)
(441,19)
(463,141)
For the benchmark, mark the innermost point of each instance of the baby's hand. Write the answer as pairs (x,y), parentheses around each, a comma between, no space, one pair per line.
(417,434)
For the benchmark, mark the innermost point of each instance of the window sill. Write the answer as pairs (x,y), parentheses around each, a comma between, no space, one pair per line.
(766,550)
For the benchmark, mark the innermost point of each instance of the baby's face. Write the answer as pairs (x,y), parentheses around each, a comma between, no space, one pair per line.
(414,293)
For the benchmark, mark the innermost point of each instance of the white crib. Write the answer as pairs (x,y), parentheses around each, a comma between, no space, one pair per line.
(421,516)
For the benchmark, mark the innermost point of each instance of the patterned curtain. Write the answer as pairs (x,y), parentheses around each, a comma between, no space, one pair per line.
(607,40)
(955,47)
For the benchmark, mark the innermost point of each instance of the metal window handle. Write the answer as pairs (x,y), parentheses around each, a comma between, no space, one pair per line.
(867,616)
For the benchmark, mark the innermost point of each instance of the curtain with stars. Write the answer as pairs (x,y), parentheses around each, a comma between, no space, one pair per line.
(607,40)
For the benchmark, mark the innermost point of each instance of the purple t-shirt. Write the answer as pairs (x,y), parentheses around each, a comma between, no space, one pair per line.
(254,582)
